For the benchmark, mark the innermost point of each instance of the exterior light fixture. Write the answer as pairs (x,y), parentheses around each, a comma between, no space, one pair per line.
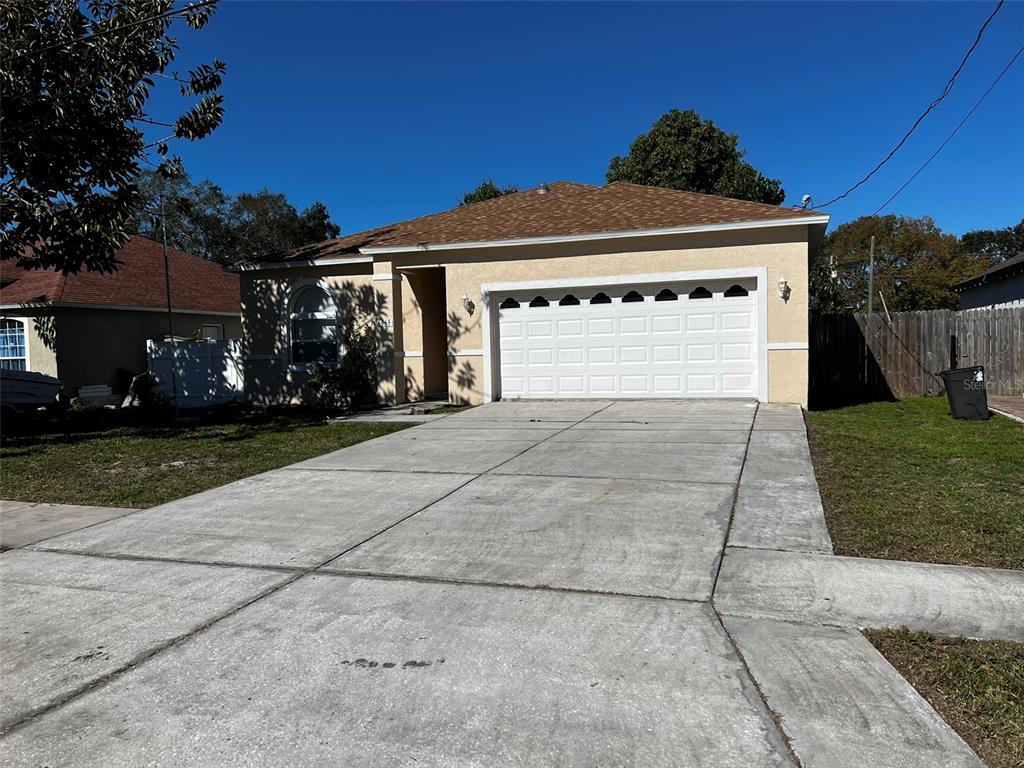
(784,290)
(468,305)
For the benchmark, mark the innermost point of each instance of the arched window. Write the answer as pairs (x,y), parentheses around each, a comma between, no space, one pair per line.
(632,296)
(539,301)
(700,292)
(600,298)
(666,295)
(568,301)
(13,350)
(509,303)
(736,290)
(313,323)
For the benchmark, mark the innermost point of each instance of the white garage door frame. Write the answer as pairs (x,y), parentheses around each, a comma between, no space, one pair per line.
(489,315)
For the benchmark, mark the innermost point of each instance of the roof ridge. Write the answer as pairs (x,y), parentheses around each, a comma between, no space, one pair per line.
(702,194)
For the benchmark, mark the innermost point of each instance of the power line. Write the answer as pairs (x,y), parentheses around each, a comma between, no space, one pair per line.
(935,103)
(85,38)
(955,130)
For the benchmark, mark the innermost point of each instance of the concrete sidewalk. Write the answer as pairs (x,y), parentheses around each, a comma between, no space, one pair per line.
(26,522)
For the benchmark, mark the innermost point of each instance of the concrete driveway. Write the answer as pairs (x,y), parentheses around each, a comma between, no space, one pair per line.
(519,584)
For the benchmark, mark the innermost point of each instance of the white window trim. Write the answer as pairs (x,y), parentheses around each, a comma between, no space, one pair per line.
(294,289)
(489,316)
(24,326)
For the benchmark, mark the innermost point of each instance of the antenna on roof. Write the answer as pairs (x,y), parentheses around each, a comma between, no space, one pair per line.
(543,188)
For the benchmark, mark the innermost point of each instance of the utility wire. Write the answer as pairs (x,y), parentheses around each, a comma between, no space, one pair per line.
(85,38)
(955,131)
(935,103)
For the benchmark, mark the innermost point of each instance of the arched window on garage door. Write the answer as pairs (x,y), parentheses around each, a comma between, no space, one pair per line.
(736,290)
(632,296)
(700,292)
(509,303)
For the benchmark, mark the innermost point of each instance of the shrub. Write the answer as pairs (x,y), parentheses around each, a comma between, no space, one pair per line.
(352,382)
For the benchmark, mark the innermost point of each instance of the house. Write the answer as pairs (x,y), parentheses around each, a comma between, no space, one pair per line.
(1001,284)
(561,291)
(91,328)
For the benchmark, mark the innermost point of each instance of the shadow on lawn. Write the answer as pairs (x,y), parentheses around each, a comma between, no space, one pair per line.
(239,422)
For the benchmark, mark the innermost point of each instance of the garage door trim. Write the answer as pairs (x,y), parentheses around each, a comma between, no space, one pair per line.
(489,316)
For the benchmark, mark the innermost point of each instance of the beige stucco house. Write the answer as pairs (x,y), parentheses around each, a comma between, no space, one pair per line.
(562,291)
(91,329)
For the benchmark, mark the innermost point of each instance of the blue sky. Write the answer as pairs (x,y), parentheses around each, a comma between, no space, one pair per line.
(390,110)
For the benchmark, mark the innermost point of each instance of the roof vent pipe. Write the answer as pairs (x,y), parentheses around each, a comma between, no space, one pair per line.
(543,188)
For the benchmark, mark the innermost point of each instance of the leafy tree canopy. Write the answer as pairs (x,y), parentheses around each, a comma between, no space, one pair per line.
(75,80)
(487,190)
(682,151)
(915,265)
(995,245)
(204,220)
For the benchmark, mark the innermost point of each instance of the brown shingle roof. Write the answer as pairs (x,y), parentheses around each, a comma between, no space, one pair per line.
(196,284)
(566,209)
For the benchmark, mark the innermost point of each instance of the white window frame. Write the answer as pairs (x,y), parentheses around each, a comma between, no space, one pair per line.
(24,330)
(287,316)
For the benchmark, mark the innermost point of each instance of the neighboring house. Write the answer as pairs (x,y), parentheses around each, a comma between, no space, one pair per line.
(1001,284)
(562,291)
(91,328)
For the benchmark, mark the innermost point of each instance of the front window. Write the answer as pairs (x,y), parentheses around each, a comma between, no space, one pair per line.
(314,327)
(13,352)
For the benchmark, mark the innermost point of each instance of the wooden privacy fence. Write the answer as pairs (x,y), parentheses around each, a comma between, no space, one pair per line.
(855,358)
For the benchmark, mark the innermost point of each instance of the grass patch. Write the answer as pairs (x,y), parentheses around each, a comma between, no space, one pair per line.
(141,466)
(905,481)
(451,409)
(976,685)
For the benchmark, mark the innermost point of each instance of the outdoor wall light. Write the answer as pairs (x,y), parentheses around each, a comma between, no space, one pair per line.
(784,289)
(468,305)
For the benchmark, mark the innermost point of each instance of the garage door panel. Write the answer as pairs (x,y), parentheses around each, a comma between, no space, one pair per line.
(697,322)
(570,356)
(692,342)
(632,325)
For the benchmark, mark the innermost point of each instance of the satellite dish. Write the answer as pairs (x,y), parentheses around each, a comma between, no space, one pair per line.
(805,201)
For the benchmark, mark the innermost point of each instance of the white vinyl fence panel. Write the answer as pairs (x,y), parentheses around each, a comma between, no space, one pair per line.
(208,372)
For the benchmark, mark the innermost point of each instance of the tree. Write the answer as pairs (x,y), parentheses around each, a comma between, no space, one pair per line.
(682,151)
(487,190)
(995,245)
(915,265)
(75,82)
(204,220)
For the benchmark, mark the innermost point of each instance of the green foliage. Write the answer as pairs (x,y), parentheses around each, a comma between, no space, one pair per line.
(995,245)
(352,383)
(206,221)
(915,265)
(486,191)
(682,151)
(75,82)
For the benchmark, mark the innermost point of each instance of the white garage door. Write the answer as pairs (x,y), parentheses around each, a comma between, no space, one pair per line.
(652,340)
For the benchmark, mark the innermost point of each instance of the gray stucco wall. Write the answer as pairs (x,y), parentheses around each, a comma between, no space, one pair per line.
(996,292)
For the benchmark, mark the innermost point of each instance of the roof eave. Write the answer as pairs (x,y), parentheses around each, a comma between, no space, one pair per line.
(555,239)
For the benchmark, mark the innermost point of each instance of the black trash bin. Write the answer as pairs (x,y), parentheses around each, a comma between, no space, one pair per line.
(965,388)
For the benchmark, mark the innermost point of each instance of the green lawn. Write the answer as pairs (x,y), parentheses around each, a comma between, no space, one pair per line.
(140,466)
(906,481)
(977,686)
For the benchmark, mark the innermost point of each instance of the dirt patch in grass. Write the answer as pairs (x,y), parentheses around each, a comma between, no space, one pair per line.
(977,686)
(905,481)
(141,466)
